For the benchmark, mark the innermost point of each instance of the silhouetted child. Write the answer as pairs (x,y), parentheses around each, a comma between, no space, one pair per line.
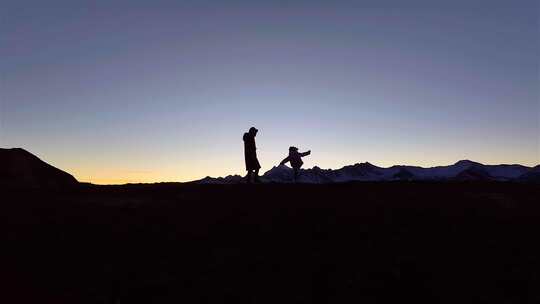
(295,158)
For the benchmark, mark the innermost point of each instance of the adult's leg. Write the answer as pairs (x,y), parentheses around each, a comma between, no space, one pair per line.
(248,177)
(256,176)
(295,174)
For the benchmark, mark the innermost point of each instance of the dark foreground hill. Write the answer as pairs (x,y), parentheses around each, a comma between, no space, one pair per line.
(342,243)
(20,168)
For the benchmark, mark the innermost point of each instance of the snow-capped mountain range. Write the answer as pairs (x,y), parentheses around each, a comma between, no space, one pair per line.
(461,170)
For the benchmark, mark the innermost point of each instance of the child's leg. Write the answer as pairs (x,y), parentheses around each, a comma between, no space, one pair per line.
(295,174)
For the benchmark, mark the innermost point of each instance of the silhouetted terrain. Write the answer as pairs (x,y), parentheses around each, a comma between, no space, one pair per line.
(386,242)
(463,170)
(20,168)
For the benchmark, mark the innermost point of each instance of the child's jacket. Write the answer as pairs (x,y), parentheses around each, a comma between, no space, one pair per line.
(295,158)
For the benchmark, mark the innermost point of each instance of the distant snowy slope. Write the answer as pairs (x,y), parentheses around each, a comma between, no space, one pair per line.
(461,170)
(532,175)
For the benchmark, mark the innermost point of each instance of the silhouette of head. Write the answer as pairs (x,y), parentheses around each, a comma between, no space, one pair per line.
(253,131)
(291,148)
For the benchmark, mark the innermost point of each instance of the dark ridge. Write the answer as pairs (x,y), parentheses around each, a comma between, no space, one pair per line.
(20,168)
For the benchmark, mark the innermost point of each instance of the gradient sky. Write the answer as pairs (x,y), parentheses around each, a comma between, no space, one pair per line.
(144,91)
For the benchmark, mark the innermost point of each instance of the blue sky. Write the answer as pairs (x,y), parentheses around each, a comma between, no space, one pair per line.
(138,91)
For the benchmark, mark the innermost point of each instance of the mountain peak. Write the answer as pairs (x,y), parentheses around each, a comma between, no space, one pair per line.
(365,165)
(465,162)
(19,151)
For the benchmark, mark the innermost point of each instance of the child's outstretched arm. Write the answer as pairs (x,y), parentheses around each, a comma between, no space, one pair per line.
(305,153)
(284,161)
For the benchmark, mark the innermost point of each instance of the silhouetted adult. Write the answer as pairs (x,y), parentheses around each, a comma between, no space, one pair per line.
(250,153)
